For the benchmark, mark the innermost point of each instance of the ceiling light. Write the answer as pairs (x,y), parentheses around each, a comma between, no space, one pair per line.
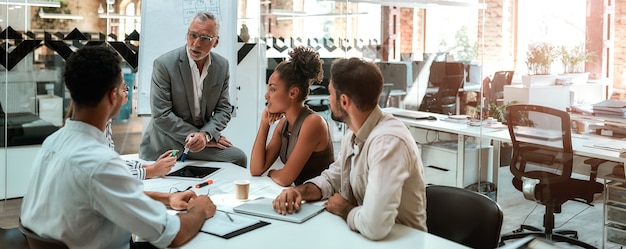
(118,16)
(325,15)
(100,9)
(279,12)
(424,3)
(31,3)
(45,15)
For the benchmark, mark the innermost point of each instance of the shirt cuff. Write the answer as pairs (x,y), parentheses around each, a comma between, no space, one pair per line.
(350,218)
(172,226)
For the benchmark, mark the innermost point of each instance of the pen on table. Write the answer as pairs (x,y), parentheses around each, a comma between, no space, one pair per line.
(227,215)
(205,183)
(200,185)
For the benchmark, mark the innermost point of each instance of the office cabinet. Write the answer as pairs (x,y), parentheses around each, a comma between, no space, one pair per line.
(556,96)
(17,163)
(50,108)
(615,212)
(441,167)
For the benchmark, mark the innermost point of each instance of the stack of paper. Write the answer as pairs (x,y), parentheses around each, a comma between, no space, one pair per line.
(609,107)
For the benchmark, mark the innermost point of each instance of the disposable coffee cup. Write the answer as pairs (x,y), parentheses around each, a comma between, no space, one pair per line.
(242,188)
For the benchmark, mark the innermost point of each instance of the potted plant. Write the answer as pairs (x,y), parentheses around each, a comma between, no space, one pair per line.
(573,60)
(539,59)
(498,112)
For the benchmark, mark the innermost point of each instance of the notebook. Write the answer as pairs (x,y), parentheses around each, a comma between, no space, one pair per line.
(263,207)
(228,225)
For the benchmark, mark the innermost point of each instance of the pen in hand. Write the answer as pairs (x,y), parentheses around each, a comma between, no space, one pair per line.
(184,156)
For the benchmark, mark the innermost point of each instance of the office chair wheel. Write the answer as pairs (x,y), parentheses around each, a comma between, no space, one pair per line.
(523,228)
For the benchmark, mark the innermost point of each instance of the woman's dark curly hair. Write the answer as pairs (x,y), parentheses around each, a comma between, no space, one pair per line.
(304,68)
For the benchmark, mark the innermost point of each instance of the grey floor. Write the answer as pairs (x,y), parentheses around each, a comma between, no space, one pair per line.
(587,220)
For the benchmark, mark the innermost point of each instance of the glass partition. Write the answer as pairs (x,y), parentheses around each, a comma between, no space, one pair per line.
(419,46)
(37,37)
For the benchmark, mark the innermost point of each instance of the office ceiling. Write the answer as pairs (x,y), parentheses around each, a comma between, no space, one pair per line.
(425,3)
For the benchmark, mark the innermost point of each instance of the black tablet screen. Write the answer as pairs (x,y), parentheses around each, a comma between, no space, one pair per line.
(193,171)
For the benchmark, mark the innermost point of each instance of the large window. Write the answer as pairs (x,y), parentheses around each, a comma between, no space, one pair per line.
(453,31)
(551,22)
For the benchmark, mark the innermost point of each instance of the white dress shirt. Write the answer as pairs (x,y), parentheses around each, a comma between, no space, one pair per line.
(198,79)
(82,193)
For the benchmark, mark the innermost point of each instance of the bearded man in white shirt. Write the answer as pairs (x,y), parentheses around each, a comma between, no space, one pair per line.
(378,177)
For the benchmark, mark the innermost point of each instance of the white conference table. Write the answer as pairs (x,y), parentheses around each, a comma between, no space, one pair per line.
(325,230)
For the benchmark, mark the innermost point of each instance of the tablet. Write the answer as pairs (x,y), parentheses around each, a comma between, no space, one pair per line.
(192,171)
(263,207)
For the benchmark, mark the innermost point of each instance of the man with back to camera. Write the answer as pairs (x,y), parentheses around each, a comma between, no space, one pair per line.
(378,177)
(189,99)
(81,192)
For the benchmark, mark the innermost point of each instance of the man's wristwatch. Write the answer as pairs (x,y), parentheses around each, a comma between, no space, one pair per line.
(207,137)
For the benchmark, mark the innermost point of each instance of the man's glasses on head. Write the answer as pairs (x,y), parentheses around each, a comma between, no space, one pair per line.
(203,38)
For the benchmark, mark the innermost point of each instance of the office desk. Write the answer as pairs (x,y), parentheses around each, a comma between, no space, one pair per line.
(325,230)
(582,145)
(462,132)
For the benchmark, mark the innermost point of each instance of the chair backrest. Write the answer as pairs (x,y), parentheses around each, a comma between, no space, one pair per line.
(396,72)
(437,73)
(487,88)
(37,242)
(384,95)
(450,85)
(318,105)
(542,144)
(500,79)
(463,216)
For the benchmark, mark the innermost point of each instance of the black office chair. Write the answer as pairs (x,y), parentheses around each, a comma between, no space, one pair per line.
(496,89)
(318,105)
(542,168)
(12,238)
(463,216)
(37,242)
(444,100)
(384,95)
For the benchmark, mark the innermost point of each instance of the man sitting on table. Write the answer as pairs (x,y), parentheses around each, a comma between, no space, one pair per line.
(81,192)
(378,178)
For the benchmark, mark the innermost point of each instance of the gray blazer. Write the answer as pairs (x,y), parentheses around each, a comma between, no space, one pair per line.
(172,105)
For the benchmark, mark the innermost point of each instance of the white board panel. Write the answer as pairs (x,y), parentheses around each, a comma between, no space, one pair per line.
(164,26)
